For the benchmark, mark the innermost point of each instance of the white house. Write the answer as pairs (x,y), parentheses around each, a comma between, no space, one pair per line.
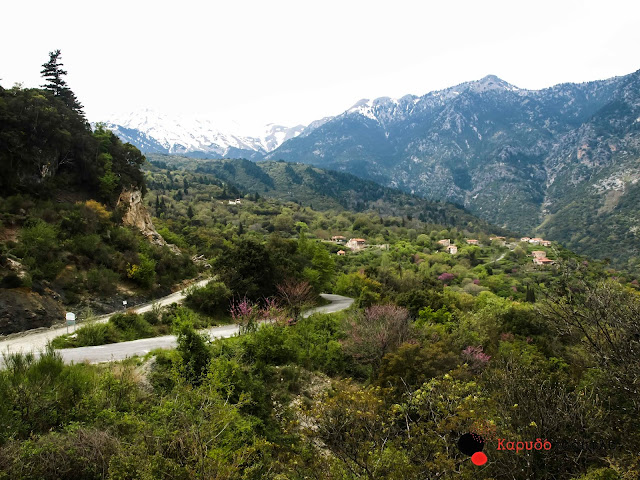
(356,243)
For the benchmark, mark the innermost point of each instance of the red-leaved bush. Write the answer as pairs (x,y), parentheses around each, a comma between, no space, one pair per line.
(375,332)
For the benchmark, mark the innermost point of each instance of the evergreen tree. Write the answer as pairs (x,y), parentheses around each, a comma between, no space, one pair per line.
(190,212)
(531,295)
(52,71)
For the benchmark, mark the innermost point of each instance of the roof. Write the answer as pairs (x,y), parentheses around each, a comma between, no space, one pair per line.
(358,240)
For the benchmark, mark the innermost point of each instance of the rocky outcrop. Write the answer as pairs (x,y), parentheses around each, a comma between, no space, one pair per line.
(137,215)
(23,309)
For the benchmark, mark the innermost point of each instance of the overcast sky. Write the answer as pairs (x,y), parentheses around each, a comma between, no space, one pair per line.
(289,62)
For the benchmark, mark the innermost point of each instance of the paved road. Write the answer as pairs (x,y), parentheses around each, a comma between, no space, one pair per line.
(35,340)
(338,302)
(120,351)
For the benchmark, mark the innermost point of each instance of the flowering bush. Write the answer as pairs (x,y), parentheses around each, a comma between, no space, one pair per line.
(248,315)
(446,277)
(374,333)
(245,314)
(476,358)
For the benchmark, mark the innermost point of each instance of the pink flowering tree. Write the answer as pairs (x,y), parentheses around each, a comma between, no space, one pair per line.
(245,314)
(375,332)
(475,358)
(446,277)
(248,315)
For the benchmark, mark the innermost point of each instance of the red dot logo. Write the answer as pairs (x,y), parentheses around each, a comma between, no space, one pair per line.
(479,458)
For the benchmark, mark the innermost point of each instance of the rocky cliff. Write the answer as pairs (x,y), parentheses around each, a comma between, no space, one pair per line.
(137,215)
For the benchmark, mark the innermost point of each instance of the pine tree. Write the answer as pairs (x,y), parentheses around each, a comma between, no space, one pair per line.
(190,212)
(52,71)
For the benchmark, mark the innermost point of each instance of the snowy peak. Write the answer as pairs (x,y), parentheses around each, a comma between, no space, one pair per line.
(156,132)
(275,135)
(488,83)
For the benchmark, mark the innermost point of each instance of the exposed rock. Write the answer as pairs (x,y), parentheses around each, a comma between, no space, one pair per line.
(15,267)
(138,216)
(201,260)
(22,309)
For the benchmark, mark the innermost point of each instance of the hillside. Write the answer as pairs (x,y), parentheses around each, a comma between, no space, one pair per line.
(69,236)
(325,189)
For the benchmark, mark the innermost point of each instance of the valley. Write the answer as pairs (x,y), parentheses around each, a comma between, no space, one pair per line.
(313,324)
(544,162)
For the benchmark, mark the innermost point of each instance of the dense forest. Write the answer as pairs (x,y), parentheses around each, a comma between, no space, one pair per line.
(537,361)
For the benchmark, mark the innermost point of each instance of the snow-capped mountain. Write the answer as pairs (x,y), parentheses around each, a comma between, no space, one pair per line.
(154,132)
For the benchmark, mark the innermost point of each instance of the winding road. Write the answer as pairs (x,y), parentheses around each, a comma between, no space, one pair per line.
(119,351)
(34,340)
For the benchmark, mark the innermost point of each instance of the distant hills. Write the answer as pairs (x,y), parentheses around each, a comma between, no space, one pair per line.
(324,189)
(562,162)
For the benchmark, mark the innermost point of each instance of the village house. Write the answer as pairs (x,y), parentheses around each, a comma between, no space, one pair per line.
(445,242)
(338,239)
(545,243)
(536,241)
(341,252)
(356,243)
(472,241)
(452,249)
(539,254)
(542,261)
(501,240)
(525,239)
(237,201)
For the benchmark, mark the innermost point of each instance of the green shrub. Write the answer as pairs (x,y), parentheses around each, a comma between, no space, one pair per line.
(102,281)
(97,334)
(143,272)
(212,299)
(131,326)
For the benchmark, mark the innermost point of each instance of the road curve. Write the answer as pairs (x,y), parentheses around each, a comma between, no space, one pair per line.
(37,339)
(122,350)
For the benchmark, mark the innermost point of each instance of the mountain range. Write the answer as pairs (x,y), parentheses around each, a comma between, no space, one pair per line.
(562,162)
(155,132)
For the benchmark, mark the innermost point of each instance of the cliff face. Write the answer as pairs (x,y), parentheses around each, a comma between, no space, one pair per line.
(23,309)
(137,215)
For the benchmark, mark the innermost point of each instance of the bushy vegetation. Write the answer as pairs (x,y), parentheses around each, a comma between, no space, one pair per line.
(124,327)
(326,399)
(80,248)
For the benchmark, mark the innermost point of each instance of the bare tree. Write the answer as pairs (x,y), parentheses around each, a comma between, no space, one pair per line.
(296,296)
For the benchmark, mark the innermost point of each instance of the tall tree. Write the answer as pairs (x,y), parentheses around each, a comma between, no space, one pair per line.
(54,74)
